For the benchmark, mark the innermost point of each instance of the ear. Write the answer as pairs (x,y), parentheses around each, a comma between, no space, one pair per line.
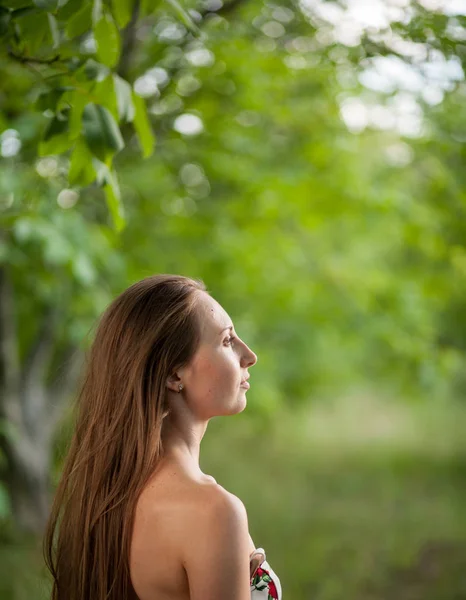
(173,381)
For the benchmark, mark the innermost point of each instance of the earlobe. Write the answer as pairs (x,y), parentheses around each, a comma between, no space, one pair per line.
(173,382)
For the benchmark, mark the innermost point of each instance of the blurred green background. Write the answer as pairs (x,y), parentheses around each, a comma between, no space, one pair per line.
(306,160)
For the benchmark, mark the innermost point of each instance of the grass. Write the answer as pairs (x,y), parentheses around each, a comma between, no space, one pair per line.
(355,499)
(350,496)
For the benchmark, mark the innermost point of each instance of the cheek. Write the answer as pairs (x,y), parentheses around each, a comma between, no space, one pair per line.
(215,370)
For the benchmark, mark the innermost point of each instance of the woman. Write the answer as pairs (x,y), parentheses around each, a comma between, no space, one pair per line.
(137,517)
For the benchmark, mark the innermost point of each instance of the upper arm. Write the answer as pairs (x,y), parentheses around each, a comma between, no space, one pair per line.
(216,550)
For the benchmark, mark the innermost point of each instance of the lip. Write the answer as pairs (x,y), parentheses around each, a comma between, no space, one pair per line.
(245,384)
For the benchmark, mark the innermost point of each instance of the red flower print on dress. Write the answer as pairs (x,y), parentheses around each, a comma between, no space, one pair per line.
(263,586)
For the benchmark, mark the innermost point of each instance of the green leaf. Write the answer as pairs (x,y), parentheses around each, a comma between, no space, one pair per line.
(126,110)
(33,31)
(96,11)
(184,16)
(108,41)
(143,126)
(77,101)
(56,137)
(102,172)
(57,126)
(103,92)
(80,22)
(101,131)
(54,30)
(94,71)
(69,8)
(122,11)
(25,10)
(49,5)
(107,178)
(55,145)
(115,206)
(81,171)
(49,98)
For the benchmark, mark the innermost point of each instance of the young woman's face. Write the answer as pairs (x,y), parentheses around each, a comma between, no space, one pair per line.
(212,380)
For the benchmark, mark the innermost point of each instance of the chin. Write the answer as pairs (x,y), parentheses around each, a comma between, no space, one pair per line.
(241,404)
(236,405)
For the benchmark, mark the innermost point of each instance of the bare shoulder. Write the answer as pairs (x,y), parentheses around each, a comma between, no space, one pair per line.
(216,551)
(171,522)
(214,506)
(226,505)
(216,498)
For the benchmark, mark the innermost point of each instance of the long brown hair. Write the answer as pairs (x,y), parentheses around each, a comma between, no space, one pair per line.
(146,333)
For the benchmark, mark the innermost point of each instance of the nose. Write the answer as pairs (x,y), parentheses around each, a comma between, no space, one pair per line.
(249,358)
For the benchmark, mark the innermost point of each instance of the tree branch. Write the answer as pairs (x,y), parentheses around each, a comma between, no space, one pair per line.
(32,59)
(129,42)
(41,350)
(129,35)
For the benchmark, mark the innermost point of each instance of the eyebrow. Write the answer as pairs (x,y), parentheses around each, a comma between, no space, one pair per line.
(229,327)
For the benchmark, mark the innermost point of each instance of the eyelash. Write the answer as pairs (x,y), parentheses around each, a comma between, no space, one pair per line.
(231,339)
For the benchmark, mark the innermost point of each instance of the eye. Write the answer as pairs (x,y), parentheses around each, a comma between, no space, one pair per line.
(230,339)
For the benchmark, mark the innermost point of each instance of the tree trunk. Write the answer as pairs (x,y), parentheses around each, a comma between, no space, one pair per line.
(30,409)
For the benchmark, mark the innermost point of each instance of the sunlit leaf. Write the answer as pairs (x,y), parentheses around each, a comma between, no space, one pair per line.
(124,98)
(108,41)
(78,101)
(184,16)
(107,178)
(81,167)
(96,11)
(115,206)
(122,11)
(143,126)
(54,30)
(104,93)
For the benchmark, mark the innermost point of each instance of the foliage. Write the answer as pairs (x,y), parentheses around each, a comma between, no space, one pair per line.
(338,253)
(86,101)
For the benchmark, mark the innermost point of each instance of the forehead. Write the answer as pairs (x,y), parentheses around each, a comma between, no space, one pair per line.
(213,317)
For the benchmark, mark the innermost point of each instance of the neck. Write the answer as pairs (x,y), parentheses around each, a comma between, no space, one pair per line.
(183,442)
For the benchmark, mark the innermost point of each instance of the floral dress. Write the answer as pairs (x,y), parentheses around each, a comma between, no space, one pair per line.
(265,584)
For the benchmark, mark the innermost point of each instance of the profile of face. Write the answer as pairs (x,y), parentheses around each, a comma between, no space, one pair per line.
(212,380)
